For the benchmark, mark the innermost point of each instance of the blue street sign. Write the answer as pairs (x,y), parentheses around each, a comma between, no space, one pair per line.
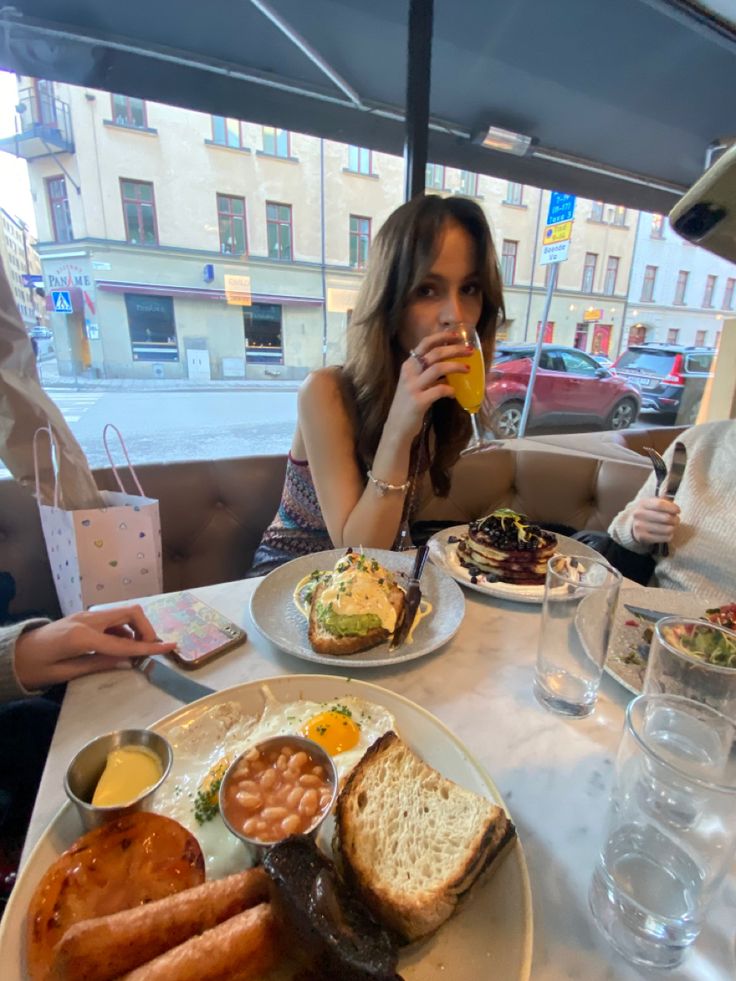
(561,208)
(30,279)
(62,301)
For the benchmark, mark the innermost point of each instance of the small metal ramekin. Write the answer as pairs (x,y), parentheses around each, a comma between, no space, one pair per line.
(85,770)
(320,757)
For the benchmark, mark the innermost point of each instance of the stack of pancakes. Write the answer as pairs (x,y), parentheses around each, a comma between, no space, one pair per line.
(505,547)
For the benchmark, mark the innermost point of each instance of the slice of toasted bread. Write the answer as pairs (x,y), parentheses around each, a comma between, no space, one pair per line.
(412,842)
(324,642)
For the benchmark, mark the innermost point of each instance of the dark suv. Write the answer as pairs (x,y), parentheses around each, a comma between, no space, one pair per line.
(671,378)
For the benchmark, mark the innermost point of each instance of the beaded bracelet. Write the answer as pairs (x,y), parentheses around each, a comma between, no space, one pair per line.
(383,487)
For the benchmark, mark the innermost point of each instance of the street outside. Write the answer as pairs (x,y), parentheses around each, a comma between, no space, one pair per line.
(163,424)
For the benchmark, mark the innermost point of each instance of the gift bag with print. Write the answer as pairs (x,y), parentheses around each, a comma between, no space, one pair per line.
(102,555)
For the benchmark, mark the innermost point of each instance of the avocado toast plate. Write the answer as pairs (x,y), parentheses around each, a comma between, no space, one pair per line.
(279,619)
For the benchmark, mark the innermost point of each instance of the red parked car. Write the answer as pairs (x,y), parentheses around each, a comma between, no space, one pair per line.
(570,388)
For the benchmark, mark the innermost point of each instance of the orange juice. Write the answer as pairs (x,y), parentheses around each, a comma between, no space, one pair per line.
(470,388)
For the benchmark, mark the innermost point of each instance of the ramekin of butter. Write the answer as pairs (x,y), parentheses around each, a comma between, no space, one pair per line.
(116,774)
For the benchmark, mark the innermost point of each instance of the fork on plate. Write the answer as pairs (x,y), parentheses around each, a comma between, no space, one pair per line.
(660,473)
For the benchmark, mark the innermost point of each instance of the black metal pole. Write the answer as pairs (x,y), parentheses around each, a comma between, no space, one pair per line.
(418,80)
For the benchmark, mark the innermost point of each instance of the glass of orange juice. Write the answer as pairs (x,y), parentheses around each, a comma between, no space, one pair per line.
(470,387)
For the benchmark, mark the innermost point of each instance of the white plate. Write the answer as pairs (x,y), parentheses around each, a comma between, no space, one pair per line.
(278,619)
(492,927)
(624,661)
(444,555)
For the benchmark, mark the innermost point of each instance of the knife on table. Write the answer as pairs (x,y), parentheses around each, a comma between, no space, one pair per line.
(674,479)
(645,613)
(170,681)
(412,600)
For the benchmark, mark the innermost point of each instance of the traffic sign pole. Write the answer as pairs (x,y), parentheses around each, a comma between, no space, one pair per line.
(538,350)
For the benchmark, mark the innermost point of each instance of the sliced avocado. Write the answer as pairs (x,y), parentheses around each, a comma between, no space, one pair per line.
(346,625)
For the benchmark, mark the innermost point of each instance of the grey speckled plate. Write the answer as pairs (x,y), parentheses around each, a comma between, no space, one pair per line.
(443,554)
(624,661)
(279,620)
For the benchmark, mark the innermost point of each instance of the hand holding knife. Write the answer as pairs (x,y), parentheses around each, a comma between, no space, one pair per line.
(674,479)
(412,599)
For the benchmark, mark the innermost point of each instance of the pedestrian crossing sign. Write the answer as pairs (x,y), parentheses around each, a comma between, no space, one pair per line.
(62,301)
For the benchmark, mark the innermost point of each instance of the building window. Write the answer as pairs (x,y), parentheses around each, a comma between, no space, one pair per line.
(262,327)
(591,260)
(129,112)
(681,287)
(226,132)
(514,193)
(276,141)
(468,183)
(360,240)
(435,177)
(508,261)
(700,336)
(139,212)
(596,211)
(673,335)
(728,293)
(360,160)
(61,218)
(619,216)
(278,231)
(657,226)
(152,328)
(647,288)
(609,285)
(231,222)
(710,286)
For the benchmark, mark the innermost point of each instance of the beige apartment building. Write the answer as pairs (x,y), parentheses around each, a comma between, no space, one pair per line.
(20,259)
(177,244)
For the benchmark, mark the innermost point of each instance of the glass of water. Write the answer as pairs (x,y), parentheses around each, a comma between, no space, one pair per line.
(580,596)
(671,828)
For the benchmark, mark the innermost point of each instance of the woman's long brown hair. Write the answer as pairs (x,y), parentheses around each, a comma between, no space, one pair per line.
(401,257)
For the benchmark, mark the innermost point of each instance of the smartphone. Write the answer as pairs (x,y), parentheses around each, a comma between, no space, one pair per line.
(201,632)
(706,214)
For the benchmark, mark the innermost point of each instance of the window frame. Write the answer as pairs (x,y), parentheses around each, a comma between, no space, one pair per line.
(597,212)
(619,212)
(648,283)
(231,215)
(432,169)
(138,203)
(591,268)
(683,277)
(728,292)
(52,213)
(472,190)
(511,194)
(278,133)
(280,223)
(709,291)
(507,254)
(129,123)
(358,236)
(657,226)
(358,151)
(231,146)
(611,270)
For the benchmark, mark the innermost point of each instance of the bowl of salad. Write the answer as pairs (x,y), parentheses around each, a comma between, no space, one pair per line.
(695,659)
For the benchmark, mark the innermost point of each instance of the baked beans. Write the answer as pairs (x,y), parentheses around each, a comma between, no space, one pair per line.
(276,791)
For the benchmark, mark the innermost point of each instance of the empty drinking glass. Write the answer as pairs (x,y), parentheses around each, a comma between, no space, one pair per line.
(580,595)
(671,828)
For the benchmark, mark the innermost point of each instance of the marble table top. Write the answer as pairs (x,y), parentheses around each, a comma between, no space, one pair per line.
(553,773)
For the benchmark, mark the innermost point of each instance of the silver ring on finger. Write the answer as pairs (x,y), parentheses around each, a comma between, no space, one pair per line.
(423,363)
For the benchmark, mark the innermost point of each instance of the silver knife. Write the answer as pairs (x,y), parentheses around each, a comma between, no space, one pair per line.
(645,613)
(170,681)
(412,599)
(674,479)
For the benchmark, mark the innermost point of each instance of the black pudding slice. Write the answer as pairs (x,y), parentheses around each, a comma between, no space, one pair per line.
(338,935)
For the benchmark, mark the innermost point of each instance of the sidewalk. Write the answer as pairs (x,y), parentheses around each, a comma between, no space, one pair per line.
(50,378)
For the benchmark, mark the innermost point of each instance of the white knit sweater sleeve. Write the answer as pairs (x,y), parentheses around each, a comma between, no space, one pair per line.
(10,686)
(621,528)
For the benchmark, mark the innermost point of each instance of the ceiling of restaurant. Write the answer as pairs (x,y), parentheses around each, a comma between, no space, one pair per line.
(632,90)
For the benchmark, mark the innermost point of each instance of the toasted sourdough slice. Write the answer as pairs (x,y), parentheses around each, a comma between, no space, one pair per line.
(324,642)
(412,842)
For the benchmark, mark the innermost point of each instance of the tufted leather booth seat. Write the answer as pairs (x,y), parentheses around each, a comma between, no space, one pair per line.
(213,512)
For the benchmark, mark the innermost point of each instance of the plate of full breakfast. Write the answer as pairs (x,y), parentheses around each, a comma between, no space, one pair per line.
(341,607)
(378,883)
(502,554)
(633,624)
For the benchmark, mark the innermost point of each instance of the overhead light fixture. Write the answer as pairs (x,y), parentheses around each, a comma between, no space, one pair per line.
(505,140)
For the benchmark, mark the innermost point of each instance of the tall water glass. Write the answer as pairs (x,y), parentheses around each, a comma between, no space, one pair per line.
(580,596)
(674,666)
(671,828)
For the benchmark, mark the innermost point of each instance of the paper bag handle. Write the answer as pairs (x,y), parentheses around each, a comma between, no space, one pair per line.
(54,453)
(133,474)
